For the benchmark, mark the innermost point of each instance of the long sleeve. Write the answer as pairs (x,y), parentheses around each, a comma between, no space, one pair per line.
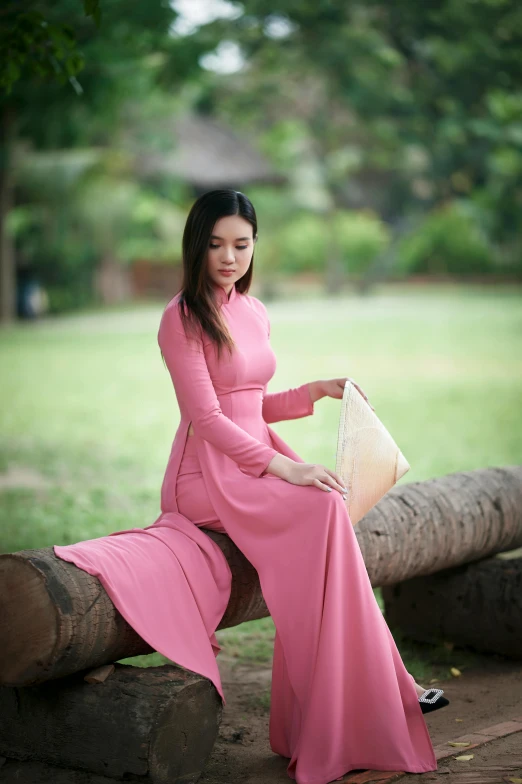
(195,392)
(290,404)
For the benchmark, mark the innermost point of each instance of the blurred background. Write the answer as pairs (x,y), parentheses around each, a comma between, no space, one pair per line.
(381,145)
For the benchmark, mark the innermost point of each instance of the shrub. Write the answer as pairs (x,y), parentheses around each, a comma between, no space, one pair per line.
(302,243)
(448,242)
(362,237)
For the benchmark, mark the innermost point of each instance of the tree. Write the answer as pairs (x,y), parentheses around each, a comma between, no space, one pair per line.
(426,94)
(31,44)
(96,70)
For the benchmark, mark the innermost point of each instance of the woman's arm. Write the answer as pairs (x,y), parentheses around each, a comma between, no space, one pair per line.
(290,404)
(196,395)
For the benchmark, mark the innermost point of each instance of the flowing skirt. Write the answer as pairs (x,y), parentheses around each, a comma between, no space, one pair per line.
(341,697)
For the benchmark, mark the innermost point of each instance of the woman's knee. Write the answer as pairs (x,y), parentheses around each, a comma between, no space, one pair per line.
(333,503)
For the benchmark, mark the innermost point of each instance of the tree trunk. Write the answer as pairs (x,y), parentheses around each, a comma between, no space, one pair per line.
(477,604)
(59,618)
(7,263)
(155,724)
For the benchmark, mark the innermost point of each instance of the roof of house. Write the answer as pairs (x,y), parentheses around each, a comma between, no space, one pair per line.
(208,153)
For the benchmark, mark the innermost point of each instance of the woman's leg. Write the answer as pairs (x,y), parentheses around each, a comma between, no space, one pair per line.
(341,698)
(191,494)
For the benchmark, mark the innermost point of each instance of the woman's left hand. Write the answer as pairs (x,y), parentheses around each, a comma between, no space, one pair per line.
(334,387)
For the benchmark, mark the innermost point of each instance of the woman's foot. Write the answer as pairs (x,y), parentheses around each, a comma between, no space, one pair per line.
(433,701)
(420,689)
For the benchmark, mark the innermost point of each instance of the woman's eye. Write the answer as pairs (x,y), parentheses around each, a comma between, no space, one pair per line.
(238,247)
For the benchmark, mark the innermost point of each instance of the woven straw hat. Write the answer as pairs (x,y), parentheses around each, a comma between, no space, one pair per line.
(367,458)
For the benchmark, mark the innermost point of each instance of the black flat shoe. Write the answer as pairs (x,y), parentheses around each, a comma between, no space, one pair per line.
(432,700)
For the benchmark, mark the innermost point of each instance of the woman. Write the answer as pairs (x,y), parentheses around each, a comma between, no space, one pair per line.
(341,698)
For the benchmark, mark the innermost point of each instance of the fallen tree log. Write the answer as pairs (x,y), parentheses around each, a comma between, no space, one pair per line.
(423,527)
(155,725)
(477,604)
(58,619)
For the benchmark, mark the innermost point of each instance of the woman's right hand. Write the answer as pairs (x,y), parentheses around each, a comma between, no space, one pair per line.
(306,474)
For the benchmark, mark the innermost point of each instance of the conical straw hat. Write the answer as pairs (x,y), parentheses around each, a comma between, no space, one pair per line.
(367,458)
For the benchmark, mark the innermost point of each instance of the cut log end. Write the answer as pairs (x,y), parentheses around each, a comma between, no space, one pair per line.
(28,613)
(58,619)
(162,721)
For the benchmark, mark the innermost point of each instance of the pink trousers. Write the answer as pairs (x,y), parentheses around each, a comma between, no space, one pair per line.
(191,493)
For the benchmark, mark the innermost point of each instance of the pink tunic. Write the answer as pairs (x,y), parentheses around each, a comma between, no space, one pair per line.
(341,698)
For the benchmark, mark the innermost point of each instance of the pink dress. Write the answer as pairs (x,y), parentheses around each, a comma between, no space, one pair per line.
(341,698)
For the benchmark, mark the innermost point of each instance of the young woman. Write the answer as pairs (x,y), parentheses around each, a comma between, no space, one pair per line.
(341,698)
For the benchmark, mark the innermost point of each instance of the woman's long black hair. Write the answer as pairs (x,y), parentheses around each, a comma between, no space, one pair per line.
(198,303)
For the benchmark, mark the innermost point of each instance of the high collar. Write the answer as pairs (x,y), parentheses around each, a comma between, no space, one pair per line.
(223,296)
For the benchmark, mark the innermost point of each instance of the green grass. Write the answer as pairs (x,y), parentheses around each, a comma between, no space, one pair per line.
(88,412)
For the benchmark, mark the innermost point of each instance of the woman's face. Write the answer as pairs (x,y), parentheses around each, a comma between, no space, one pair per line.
(231,246)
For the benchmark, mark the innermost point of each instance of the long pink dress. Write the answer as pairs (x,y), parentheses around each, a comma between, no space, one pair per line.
(341,698)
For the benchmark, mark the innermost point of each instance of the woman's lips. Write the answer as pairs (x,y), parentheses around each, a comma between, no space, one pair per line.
(226,272)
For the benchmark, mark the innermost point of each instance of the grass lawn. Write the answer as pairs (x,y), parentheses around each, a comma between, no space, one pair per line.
(88,412)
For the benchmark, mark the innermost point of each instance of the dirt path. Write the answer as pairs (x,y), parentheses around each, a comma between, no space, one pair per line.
(487,695)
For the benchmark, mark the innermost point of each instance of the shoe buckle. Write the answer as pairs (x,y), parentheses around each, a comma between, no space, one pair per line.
(436,693)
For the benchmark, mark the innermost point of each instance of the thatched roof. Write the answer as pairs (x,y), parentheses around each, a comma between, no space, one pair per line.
(209,154)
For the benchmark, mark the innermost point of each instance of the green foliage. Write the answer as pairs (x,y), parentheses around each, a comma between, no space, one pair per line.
(274,209)
(33,45)
(448,242)
(362,237)
(92,8)
(302,243)
(82,206)
(428,99)
(156,231)
(68,297)
(29,43)
(51,242)
(122,60)
(76,171)
(371,79)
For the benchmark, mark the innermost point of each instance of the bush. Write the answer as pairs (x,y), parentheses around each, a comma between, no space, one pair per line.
(448,242)
(302,244)
(362,237)
(63,299)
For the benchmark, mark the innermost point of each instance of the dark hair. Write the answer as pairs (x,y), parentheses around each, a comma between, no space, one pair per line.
(198,294)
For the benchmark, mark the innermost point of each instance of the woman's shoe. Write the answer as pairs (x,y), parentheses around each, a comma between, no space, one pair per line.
(432,699)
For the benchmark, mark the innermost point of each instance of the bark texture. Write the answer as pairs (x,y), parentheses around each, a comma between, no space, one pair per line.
(57,619)
(477,604)
(155,724)
(423,527)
